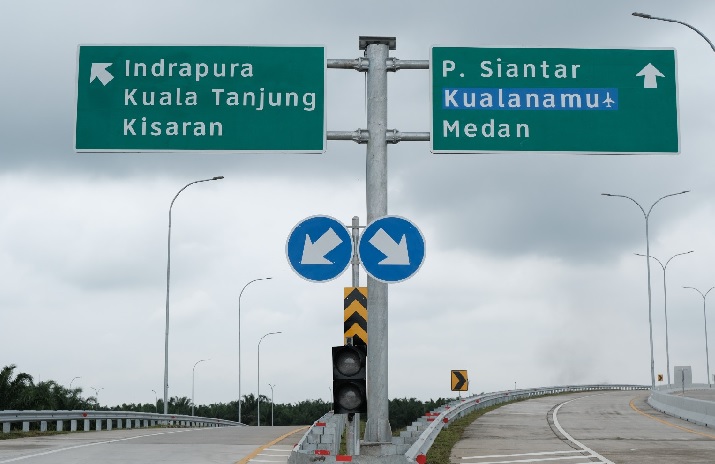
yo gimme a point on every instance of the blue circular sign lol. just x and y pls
(391, 249)
(319, 248)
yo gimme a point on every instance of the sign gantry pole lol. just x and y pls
(378, 425)
(377, 63)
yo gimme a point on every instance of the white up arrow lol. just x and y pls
(396, 252)
(650, 73)
(314, 253)
(99, 71)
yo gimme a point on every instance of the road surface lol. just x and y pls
(579, 428)
(224, 445)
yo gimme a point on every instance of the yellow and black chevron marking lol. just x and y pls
(355, 315)
(460, 381)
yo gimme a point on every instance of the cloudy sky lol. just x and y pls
(530, 276)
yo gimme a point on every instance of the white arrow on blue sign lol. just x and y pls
(319, 248)
(391, 249)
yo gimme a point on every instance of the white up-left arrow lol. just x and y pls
(99, 71)
(314, 253)
(396, 253)
(650, 74)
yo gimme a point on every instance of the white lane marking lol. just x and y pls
(276, 454)
(85, 445)
(540, 460)
(543, 453)
(286, 451)
(572, 439)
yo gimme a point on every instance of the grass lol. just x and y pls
(32, 433)
(343, 445)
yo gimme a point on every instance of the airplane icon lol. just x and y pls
(608, 100)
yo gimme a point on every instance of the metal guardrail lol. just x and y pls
(103, 419)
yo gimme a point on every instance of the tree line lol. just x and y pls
(20, 392)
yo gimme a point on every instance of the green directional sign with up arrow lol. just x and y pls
(565, 100)
(200, 98)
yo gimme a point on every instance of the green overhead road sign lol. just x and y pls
(200, 98)
(554, 100)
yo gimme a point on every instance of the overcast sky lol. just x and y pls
(530, 276)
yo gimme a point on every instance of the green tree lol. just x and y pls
(180, 405)
(14, 392)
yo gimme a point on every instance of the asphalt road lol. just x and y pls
(610, 428)
(225, 445)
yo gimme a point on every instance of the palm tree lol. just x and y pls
(180, 405)
(14, 392)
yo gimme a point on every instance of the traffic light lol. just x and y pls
(349, 388)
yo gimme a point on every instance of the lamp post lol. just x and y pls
(271, 403)
(258, 397)
(73, 379)
(647, 247)
(156, 401)
(239, 342)
(647, 16)
(168, 275)
(665, 306)
(193, 377)
(707, 356)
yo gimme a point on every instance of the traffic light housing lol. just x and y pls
(349, 386)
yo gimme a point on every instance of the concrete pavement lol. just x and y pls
(613, 427)
(225, 445)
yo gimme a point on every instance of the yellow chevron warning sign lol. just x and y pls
(355, 314)
(460, 382)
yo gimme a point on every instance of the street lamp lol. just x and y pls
(647, 247)
(168, 275)
(75, 378)
(258, 397)
(239, 342)
(707, 356)
(193, 377)
(271, 403)
(647, 16)
(156, 401)
(665, 306)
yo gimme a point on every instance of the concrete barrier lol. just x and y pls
(694, 410)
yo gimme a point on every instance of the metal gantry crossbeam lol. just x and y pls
(392, 64)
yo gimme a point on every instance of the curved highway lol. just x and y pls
(580, 428)
(224, 445)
